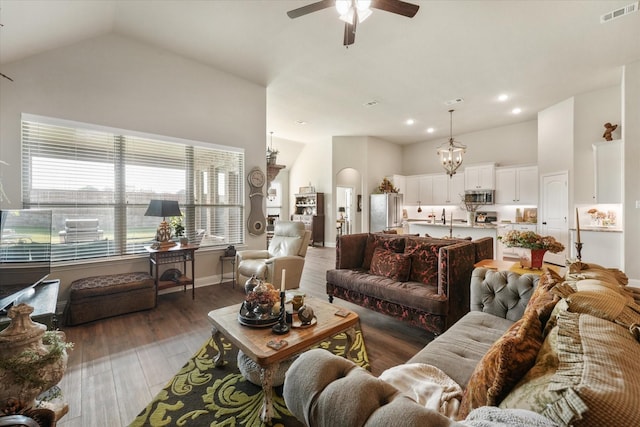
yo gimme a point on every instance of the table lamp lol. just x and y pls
(163, 208)
(342, 210)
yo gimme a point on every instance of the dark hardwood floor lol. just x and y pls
(119, 364)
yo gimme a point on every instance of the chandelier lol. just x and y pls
(451, 152)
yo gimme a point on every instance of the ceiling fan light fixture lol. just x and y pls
(451, 151)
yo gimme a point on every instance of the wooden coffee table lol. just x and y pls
(253, 341)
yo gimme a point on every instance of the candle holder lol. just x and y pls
(281, 327)
(578, 250)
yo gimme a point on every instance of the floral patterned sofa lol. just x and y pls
(421, 280)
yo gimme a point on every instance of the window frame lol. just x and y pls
(221, 217)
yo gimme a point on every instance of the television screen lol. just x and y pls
(25, 251)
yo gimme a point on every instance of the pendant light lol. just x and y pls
(451, 152)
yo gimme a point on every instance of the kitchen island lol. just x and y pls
(459, 230)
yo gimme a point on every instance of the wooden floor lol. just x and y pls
(119, 364)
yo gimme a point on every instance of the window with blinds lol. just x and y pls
(98, 183)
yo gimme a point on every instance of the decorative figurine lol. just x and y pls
(305, 314)
(609, 128)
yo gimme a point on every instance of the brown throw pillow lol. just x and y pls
(386, 241)
(390, 264)
(424, 259)
(506, 362)
(543, 300)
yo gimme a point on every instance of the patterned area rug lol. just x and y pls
(203, 395)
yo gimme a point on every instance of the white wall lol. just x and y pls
(631, 136)
(116, 82)
(591, 111)
(507, 145)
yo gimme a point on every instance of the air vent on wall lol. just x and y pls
(614, 14)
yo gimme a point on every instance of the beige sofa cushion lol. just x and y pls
(598, 377)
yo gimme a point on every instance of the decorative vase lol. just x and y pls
(532, 258)
(250, 284)
(471, 217)
(30, 365)
(263, 310)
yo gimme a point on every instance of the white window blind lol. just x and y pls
(106, 177)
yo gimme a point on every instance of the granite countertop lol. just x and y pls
(605, 229)
(456, 224)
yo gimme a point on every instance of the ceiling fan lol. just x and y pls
(353, 12)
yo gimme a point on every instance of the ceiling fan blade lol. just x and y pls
(349, 34)
(396, 6)
(310, 8)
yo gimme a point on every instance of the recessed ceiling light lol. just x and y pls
(503, 97)
(410, 121)
(430, 130)
(301, 122)
(516, 111)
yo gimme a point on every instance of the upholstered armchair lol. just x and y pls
(287, 250)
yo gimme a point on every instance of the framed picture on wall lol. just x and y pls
(359, 208)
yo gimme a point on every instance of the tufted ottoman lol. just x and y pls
(97, 297)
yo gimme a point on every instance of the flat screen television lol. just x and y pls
(25, 251)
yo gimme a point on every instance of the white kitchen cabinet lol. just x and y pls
(600, 247)
(481, 177)
(447, 190)
(517, 185)
(426, 189)
(412, 193)
(608, 170)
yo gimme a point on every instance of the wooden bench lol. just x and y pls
(98, 297)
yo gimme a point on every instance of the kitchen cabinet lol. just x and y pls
(446, 190)
(608, 171)
(517, 185)
(419, 190)
(603, 247)
(480, 177)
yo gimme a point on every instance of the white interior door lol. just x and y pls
(555, 211)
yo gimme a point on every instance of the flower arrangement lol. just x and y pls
(263, 295)
(387, 187)
(531, 240)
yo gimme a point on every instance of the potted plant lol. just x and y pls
(536, 244)
(178, 229)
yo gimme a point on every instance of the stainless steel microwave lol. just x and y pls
(484, 197)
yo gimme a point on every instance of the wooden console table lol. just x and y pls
(172, 255)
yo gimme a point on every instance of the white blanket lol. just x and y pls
(427, 385)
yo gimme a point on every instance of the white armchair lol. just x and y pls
(287, 250)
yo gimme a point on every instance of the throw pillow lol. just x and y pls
(390, 264)
(598, 377)
(424, 259)
(504, 364)
(386, 241)
(543, 300)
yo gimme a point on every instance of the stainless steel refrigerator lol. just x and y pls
(385, 211)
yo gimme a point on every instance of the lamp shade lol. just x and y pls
(163, 208)
(341, 209)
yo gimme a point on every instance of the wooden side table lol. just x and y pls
(231, 259)
(171, 255)
(498, 265)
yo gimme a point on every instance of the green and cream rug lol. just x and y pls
(203, 395)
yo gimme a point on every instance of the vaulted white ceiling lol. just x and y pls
(537, 52)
